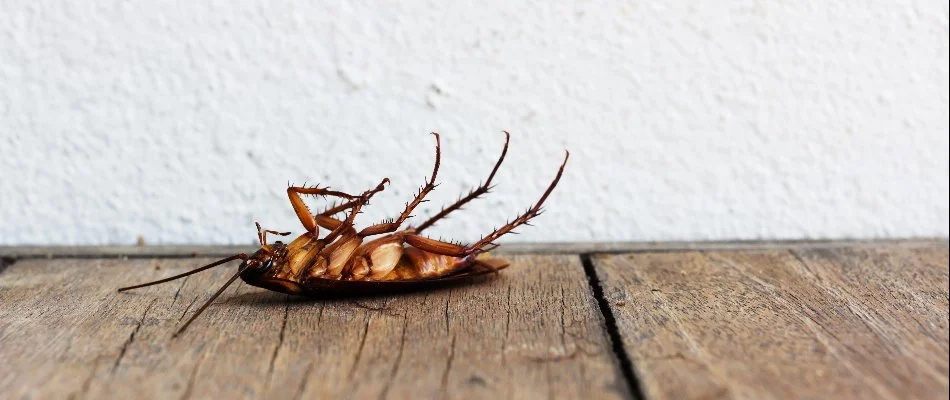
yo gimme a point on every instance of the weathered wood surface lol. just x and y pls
(843, 320)
(534, 331)
(507, 248)
(826, 323)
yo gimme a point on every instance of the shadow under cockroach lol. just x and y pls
(342, 295)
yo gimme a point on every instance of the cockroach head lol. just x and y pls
(264, 258)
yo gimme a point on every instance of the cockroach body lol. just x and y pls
(344, 262)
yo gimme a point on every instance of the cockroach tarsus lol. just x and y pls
(345, 262)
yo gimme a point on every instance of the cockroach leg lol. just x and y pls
(472, 195)
(534, 211)
(327, 221)
(485, 244)
(392, 226)
(361, 200)
(434, 246)
(262, 234)
(300, 208)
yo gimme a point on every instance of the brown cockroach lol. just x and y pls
(344, 262)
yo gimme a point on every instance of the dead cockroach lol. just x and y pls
(343, 262)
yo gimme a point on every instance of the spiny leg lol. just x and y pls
(329, 245)
(326, 218)
(262, 234)
(472, 195)
(392, 226)
(337, 208)
(300, 208)
(365, 250)
(434, 246)
(455, 250)
(354, 210)
(444, 248)
(521, 219)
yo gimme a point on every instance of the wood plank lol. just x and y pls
(823, 323)
(532, 331)
(162, 251)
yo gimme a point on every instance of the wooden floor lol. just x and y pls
(645, 321)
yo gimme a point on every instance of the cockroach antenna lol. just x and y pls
(241, 256)
(210, 300)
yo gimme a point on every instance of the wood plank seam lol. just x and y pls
(623, 360)
(533, 331)
(848, 322)
(5, 262)
(613, 332)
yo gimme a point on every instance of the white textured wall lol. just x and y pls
(686, 120)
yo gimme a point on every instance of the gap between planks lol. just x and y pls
(814, 323)
(603, 291)
(613, 332)
(619, 355)
(374, 339)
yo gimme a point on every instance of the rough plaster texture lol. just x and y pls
(182, 122)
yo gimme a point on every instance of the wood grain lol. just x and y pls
(178, 251)
(867, 320)
(533, 331)
(806, 323)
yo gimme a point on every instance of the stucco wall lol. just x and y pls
(686, 120)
